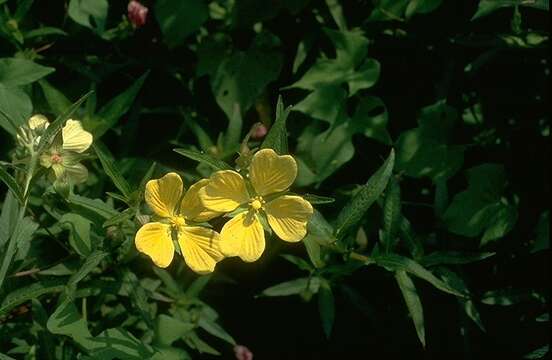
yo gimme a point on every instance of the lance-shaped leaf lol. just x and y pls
(276, 138)
(203, 158)
(111, 170)
(413, 303)
(326, 306)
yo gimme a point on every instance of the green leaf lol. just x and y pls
(324, 103)
(111, 170)
(413, 303)
(10, 182)
(15, 108)
(421, 7)
(299, 262)
(294, 287)
(326, 306)
(276, 138)
(507, 297)
(52, 130)
(355, 209)
(425, 150)
(66, 320)
(542, 241)
(453, 258)
(169, 329)
(56, 100)
(233, 132)
(117, 344)
(391, 214)
(29, 292)
(319, 227)
(8, 217)
(43, 32)
(91, 262)
(539, 353)
(17, 72)
(314, 250)
(395, 263)
(203, 158)
(241, 77)
(79, 233)
(317, 199)
(480, 209)
(89, 13)
(179, 19)
(214, 329)
(109, 114)
(487, 7)
(197, 285)
(92, 209)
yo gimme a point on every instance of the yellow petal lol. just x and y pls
(243, 236)
(224, 192)
(38, 121)
(200, 248)
(75, 138)
(154, 240)
(192, 208)
(163, 195)
(288, 216)
(270, 173)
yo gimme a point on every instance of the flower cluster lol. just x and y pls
(257, 198)
(62, 157)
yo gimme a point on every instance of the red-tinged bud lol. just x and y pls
(137, 13)
(258, 131)
(243, 353)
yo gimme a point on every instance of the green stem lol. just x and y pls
(10, 251)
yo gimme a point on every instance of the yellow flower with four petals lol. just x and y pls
(261, 193)
(178, 217)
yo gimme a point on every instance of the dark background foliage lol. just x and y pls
(422, 60)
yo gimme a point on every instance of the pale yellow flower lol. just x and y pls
(270, 176)
(199, 245)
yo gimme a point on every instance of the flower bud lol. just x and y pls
(258, 131)
(243, 353)
(137, 13)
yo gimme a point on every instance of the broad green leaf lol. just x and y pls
(233, 133)
(56, 100)
(391, 214)
(319, 227)
(168, 280)
(55, 126)
(66, 320)
(195, 342)
(277, 137)
(216, 330)
(117, 344)
(413, 303)
(241, 77)
(179, 19)
(169, 329)
(337, 13)
(79, 233)
(393, 262)
(29, 292)
(324, 103)
(111, 170)
(480, 209)
(109, 114)
(8, 217)
(12, 185)
(15, 108)
(539, 353)
(208, 160)
(453, 258)
(17, 72)
(90, 263)
(294, 287)
(425, 151)
(487, 7)
(92, 209)
(421, 7)
(326, 306)
(89, 13)
(355, 209)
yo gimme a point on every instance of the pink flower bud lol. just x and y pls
(258, 131)
(242, 353)
(137, 13)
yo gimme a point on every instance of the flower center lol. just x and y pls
(256, 203)
(56, 158)
(178, 221)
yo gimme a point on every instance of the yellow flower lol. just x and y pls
(199, 245)
(63, 156)
(270, 176)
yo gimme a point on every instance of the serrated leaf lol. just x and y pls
(453, 258)
(203, 158)
(29, 292)
(391, 214)
(395, 263)
(355, 209)
(413, 303)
